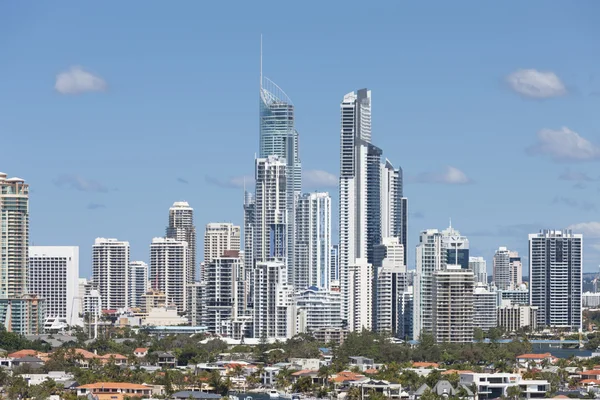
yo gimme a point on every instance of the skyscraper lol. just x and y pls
(14, 236)
(110, 265)
(181, 227)
(393, 204)
(138, 283)
(390, 284)
(334, 268)
(452, 314)
(249, 209)
(169, 270)
(54, 276)
(279, 137)
(457, 247)
(313, 241)
(479, 268)
(220, 237)
(555, 275)
(273, 301)
(508, 269)
(431, 257)
(360, 286)
(355, 153)
(271, 211)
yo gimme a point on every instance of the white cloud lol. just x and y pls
(589, 229)
(536, 84)
(77, 182)
(319, 179)
(450, 175)
(233, 182)
(76, 80)
(564, 145)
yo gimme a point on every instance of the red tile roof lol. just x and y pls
(425, 365)
(114, 385)
(536, 356)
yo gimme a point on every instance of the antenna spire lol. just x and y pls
(261, 75)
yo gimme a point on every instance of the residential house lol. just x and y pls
(305, 363)
(387, 389)
(362, 363)
(491, 386)
(532, 360)
(166, 359)
(140, 352)
(31, 361)
(444, 389)
(115, 388)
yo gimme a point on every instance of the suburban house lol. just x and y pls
(115, 388)
(528, 360)
(140, 352)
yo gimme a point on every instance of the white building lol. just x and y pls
(181, 228)
(313, 241)
(220, 237)
(452, 315)
(110, 264)
(225, 294)
(484, 308)
(318, 308)
(274, 308)
(334, 267)
(14, 235)
(169, 270)
(520, 295)
(493, 386)
(479, 268)
(457, 247)
(390, 284)
(360, 286)
(138, 283)
(508, 269)
(270, 211)
(393, 205)
(54, 276)
(591, 299)
(514, 317)
(556, 254)
(431, 257)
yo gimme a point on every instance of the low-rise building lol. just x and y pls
(493, 386)
(115, 388)
(515, 317)
(535, 360)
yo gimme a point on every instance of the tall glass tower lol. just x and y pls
(279, 137)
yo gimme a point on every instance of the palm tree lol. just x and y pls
(324, 374)
(354, 393)
(514, 392)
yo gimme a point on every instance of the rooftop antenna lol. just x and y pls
(261, 75)
(450, 223)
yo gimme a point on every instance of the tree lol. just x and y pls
(514, 392)
(303, 385)
(324, 374)
(354, 393)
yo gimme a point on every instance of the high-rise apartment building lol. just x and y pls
(225, 293)
(360, 287)
(169, 270)
(457, 247)
(334, 267)
(431, 256)
(318, 309)
(514, 317)
(452, 315)
(270, 211)
(249, 211)
(479, 267)
(313, 241)
(220, 237)
(279, 137)
(14, 236)
(274, 308)
(389, 285)
(508, 269)
(555, 275)
(138, 283)
(393, 205)
(54, 276)
(110, 265)
(181, 228)
(484, 307)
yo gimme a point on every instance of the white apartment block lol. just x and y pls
(360, 286)
(313, 241)
(225, 293)
(479, 267)
(138, 283)
(54, 276)
(508, 269)
(270, 211)
(485, 304)
(220, 237)
(452, 315)
(555, 275)
(431, 257)
(393, 205)
(390, 284)
(514, 317)
(169, 270)
(318, 308)
(274, 308)
(14, 235)
(110, 265)
(591, 299)
(181, 228)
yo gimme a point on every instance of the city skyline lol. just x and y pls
(87, 177)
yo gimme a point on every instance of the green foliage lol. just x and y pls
(11, 341)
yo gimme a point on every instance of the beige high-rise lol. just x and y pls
(220, 237)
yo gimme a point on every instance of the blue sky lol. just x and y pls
(114, 110)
